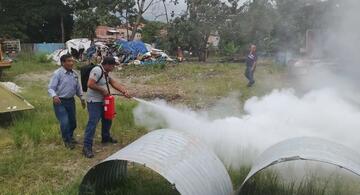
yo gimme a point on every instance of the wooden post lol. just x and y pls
(1, 54)
(62, 29)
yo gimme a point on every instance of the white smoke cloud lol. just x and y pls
(328, 107)
(268, 120)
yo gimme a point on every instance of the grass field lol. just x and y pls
(33, 159)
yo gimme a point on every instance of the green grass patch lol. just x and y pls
(33, 159)
(139, 180)
(27, 62)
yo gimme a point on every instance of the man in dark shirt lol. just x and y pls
(251, 65)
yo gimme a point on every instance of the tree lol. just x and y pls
(205, 16)
(180, 34)
(151, 31)
(274, 25)
(126, 10)
(296, 17)
(250, 23)
(142, 7)
(91, 13)
(35, 21)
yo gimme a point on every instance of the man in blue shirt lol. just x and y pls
(251, 65)
(63, 86)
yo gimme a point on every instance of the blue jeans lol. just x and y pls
(96, 112)
(249, 75)
(66, 115)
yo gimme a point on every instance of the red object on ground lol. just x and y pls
(109, 107)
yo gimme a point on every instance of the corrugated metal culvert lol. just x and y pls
(182, 160)
(193, 169)
(307, 148)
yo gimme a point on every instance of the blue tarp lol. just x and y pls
(132, 48)
(47, 47)
(91, 51)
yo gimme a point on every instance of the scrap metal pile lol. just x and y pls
(5, 60)
(126, 52)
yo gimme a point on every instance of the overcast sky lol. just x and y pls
(157, 12)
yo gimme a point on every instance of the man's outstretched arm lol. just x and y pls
(116, 85)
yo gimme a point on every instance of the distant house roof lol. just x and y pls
(113, 31)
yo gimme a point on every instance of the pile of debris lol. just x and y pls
(126, 52)
(75, 47)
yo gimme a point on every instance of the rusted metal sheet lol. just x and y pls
(5, 65)
(307, 148)
(182, 160)
(11, 102)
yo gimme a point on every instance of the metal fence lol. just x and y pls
(41, 47)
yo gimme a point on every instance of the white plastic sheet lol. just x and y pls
(78, 44)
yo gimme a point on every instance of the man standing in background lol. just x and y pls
(251, 65)
(98, 89)
(63, 86)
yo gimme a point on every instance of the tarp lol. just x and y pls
(55, 56)
(133, 48)
(98, 47)
(78, 44)
(11, 102)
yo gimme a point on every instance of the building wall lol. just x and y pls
(101, 30)
(214, 40)
(102, 33)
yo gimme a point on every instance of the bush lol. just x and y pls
(42, 58)
(230, 49)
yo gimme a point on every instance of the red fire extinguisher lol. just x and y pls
(109, 107)
(109, 104)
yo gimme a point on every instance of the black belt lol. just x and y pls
(67, 99)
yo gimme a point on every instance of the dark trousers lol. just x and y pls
(66, 115)
(249, 74)
(96, 112)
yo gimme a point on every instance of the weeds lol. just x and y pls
(27, 62)
(34, 161)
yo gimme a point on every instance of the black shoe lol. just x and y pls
(88, 153)
(109, 140)
(73, 140)
(69, 145)
(250, 84)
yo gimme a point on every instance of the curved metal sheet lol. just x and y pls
(307, 148)
(182, 160)
(12, 102)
